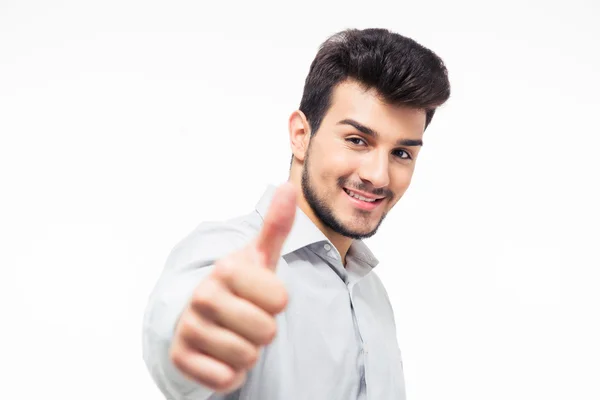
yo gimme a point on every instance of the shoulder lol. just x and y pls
(211, 240)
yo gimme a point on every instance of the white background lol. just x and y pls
(124, 124)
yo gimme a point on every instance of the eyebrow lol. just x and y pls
(368, 131)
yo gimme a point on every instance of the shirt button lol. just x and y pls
(327, 247)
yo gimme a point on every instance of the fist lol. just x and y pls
(231, 314)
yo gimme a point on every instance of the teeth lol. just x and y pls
(359, 197)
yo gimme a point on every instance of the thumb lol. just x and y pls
(277, 224)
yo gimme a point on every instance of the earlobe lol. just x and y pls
(299, 130)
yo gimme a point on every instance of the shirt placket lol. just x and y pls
(334, 260)
(364, 352)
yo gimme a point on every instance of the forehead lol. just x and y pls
(350, 100)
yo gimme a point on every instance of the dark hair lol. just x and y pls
(401, 71)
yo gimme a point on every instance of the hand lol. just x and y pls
(232, 311)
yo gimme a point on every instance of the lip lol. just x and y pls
(363, 205)
(365, 195)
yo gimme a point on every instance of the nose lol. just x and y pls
(375, 169)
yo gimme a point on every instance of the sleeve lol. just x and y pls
(188, 263)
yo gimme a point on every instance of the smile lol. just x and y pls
(363, 202)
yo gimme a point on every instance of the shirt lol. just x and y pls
(336, 339)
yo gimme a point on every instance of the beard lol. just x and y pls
(325, 212)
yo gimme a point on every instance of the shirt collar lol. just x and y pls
(304, 232)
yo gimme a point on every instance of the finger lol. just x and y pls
(224, 345)
(277, 224)
(236, 314)
(205, 370)
(260, 286)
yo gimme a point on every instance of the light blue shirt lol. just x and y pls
(335, 340)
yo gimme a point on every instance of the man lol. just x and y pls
(283, 303)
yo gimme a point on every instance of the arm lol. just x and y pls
(189, 262)
(215, 304)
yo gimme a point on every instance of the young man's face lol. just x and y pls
(343, 157)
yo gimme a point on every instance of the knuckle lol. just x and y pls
(250, 358)
(283, 300)
(178, 358)
(280, 300)
(224, 268)
(223, 381)
(269, 332)
(204, 296)
(186, 324)
(193, 334)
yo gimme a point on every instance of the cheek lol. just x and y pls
(402, 179)
(338, 164)
(337, 157)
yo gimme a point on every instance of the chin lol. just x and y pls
(358, 231)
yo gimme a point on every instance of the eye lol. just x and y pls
(356, 140)
(403, 154)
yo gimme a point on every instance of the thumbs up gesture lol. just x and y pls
(231, 314)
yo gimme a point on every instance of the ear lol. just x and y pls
(299, 134)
